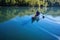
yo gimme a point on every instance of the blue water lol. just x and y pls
(21, 28)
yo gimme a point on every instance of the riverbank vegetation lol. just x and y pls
(12, 8)
(30, 3)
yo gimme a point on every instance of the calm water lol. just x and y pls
(21, 27)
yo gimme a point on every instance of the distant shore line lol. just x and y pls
(23, 6)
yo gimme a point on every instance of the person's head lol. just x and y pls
(41, 6)
(37, 11)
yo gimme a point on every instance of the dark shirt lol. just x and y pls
(37, 13)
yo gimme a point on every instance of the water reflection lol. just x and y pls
(20, 27)
(53, 19)
(7, 13)
(23, 28)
